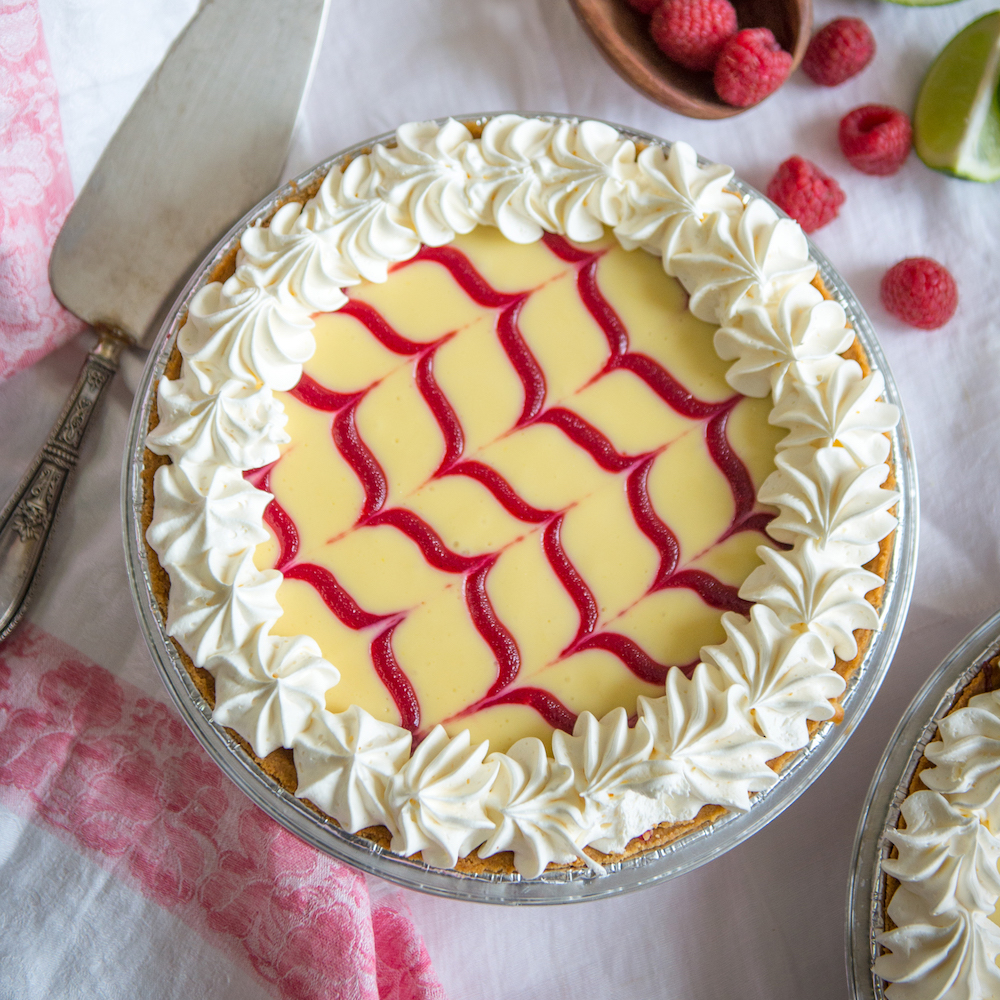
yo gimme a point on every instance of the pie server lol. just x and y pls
(205, 140)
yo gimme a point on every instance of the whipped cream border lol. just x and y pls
(708, 739)
(945, 944)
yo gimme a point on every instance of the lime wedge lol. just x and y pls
(956, 126)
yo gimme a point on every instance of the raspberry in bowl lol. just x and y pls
(751, 66)
(621, 32)
(693, 32)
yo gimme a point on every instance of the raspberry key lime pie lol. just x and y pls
(519, 487)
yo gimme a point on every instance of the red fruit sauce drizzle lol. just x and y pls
(571, 580)
(475, 569)
(335, 597)
(527, 368)
(360, 459)
(489, 626)
(276, 517)
(428, 540)
(546, 704)
(392, 676)
(501, 489)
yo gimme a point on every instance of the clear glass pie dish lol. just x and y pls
(560, 885)
(866, 893)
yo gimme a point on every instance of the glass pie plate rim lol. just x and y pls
(555, 886)
(889, 787)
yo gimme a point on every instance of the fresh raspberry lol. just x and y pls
(808, 195)
(645, 6)
(838, 51)
(875, 139)
(692, 32)
(751, 65)
(921, 292)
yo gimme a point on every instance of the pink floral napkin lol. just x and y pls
(117, 777)
(35, 192)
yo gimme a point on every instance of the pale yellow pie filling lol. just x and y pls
(435, 642)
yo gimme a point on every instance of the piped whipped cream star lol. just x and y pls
(269, 690)
(344, 763)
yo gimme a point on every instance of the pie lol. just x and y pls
(518, 495)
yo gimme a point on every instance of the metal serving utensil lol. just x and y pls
(205, 140)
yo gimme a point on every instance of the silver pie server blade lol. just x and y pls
(205, 140)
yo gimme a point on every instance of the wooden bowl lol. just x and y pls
(622, 35)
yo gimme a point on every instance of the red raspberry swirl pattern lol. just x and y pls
(474, 570)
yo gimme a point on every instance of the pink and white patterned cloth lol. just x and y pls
(115, 775)
(35, 192)
(128, 866)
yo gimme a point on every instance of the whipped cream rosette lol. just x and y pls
(711, 737)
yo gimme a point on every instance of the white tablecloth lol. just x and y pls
(765, 921)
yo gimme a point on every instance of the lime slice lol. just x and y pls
(956, 127)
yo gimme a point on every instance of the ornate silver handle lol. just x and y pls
(26, 520)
